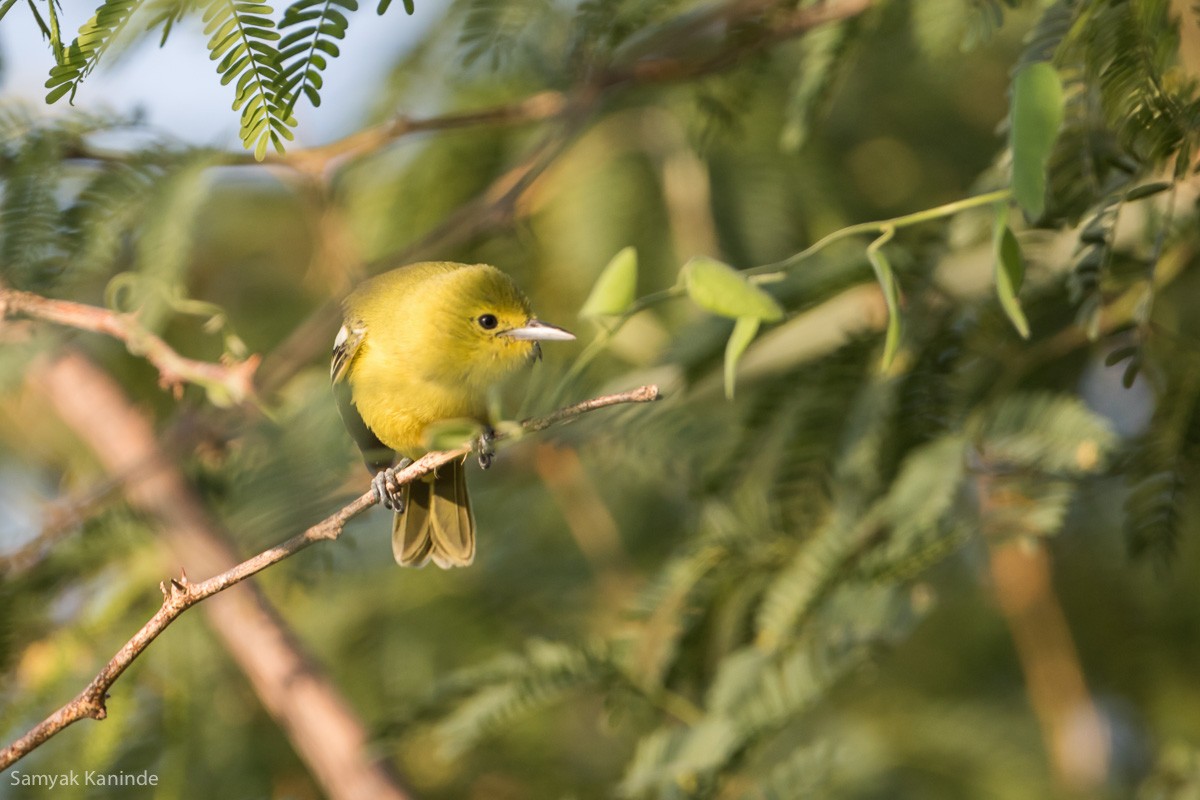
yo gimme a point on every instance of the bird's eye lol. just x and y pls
(488, 321)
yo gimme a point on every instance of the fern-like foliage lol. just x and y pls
(823, 62)
(82, 55)
(1130, 108)
(1128, 50)
(310, 28)
(29, 245)
(241, 40)
(34, 163)
(1159, 469)
(756, 694)
(500, 31)
(167, 14)
(513, 687)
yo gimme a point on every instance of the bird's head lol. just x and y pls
(487, 325)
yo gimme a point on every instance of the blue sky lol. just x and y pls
(177, 87)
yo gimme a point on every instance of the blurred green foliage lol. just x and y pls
(787, 594)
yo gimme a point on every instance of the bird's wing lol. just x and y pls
(345, 346)
(377, 455)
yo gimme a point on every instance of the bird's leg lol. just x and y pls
(486, 446)
(386, 489)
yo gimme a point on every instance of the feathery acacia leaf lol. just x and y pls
(523, 684)
(309, 28)
(499, 28)
(81, 56)
(241, 39)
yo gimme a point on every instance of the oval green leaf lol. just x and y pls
(450, 434)
(744, 331)
(891, 296)
(1010, 274)
(1036, 116)
(721, 289)
(616, 287)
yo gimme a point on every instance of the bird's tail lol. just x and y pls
(436, 523)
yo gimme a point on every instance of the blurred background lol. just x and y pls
(967, 572)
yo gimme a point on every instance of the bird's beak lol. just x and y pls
(537, 331)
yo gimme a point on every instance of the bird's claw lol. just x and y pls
(486, 446)
(387, 490)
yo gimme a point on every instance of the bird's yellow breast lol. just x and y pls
(398, 405)
(421, 354)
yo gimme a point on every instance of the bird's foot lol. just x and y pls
(485, 446)
(386, 489)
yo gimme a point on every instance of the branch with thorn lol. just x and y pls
(180, 594)
(234, 378)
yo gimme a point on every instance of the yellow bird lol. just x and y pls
(418, 345)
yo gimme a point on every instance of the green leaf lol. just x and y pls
(77, 60)
(450, 434)
(721, 289)
(1009, 272)
(53, 96)
(614, 290)
(891, 295)
(1147, 190)
(1036, 116)
(743, 334)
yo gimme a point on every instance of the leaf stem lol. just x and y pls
(883, 225)
(886, 228)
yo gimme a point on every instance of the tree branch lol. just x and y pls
(318, 722)
(235, 377)
(316, 160)
(180, 594)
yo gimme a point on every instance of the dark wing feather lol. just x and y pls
(375, 453)
(452, 525)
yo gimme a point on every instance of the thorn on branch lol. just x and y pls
(230, 380)
(176, 589)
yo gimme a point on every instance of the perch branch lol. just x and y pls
(180, 594)
(174, 370)
(321, 726)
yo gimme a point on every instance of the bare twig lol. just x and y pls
(180, 594)
(235, 377)
(317, 160)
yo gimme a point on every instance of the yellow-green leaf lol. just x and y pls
(1036, 116)
(1009, 272)
(449, 434)
(721, 289)
(616, 287)
(891, 295)
(744, 331)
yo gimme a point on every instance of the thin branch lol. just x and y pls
(776, 25)
(316, 160)
(235, 377)
(318, 722)
(180, 594)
